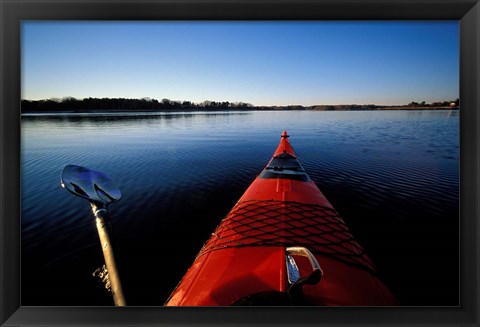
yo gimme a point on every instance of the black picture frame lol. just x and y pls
(467, 12)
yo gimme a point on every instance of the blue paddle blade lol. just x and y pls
(89, 184)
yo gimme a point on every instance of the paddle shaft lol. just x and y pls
(101, 215)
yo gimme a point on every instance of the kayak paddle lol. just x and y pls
(100, 191)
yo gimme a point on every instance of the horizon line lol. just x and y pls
(66, 98)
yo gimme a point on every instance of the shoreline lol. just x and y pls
(166, 105)
(103, 111)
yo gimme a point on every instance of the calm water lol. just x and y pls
(392, 175)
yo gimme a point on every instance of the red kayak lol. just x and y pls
(283, 243)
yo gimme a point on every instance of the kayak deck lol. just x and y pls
(247, 261)
(288, 223)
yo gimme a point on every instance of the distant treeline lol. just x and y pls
(70, 104)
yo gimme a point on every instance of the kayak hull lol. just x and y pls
(246, 261)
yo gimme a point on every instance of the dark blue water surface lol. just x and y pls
(392, 175)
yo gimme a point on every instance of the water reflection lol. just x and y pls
(129, 116)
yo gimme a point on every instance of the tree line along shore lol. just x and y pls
(70, 104)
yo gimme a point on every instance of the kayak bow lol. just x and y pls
(283, 243)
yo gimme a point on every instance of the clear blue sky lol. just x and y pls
(263, 63)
